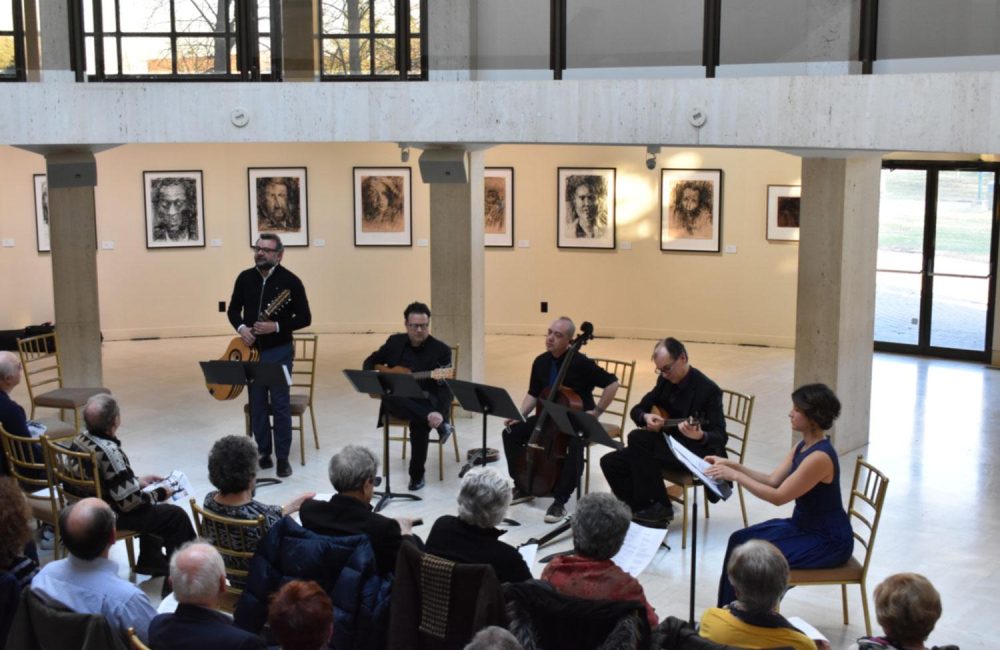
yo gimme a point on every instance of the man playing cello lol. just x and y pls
(582, 376)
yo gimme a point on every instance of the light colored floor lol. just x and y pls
(932, 432)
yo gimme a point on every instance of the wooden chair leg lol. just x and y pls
(246, 419)
(440, 461)
(704, 494)
(454, 442)
(131, 554)
(406, 435)
(312, 416)
(864, 608)
(684, 519)
(843, 600)
(302, 438)
(743, 506)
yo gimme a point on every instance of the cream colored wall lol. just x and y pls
(643, 292)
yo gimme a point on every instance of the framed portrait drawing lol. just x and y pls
(175, 209)
(691, 210)
(382, 201)
(42, 213)
(278, 204)
(498, 208)
(586, 208)
(783, 212)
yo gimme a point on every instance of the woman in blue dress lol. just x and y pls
(819, 533)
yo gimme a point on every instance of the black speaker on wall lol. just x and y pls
(444, 166)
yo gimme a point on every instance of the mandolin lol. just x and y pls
(240, 351)
(437, 374)
(672, 422)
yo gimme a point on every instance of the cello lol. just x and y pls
(548, 447)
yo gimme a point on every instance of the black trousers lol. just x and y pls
(514, 443)
(160, 525)
(416, 411)
(635, 473)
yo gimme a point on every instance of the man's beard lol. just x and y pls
(265, 265)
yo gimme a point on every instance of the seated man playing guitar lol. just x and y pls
(682, 392)
(419, 352)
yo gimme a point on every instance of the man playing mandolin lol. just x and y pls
(684, 393)
(417, 351)
(582, 376)
(255, 289)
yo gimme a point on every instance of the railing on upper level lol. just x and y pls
(386, 40)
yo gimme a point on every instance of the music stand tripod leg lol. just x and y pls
(388, 494)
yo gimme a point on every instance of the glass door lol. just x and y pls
(936, 260)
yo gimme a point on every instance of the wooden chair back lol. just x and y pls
(134, 641)
(34, 475)
(40, 364)
(235, 539)
(865, 506)
(304, 364)
(615, 417)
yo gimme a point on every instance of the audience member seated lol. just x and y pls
(494, 638)
(907, 606)
(87, 582)
(301, 616)
(17, 568)
(599, 528)
(232, 469)
(159, 524)
(12, 415)
(759, 574)
(349, 512)
(198, 576)
(472, 537)
(819, 534)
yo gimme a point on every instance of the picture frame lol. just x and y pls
(382, 206)
(691, 210)
(498, 207)
(783, 206)
(175, 209)
(278, 203)
(590, 189)
(42, 213)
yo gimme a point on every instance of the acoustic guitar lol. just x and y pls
(240, 351)
(438, 374)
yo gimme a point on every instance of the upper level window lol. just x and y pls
(12, 66)
(373, 39)
(192, 39)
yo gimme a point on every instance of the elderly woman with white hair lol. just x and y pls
(473, 537)
(759, 573)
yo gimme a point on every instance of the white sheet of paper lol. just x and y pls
(178, 481)
(640, 546)
(528, 552)
(288, 375)
(695, 463)
(807, 629)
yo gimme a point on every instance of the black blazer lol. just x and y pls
(433, 354)
(343, 515)
(192, 627)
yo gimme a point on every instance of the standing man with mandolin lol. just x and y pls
(255, 290)
(682, 393)
(418, 352)
(582, 376)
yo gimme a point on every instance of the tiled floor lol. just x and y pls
(932, 432)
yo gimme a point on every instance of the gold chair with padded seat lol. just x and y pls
(405, 424)
(303, 377)
(235, 543)
(35, 478)
(865, 511)
(43, 376)
(738, 410)
(75, 473)
(614, 418)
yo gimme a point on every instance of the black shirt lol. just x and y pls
(582, 377)
(695, 396)
(252, 294)
(453, 539)
(430, 355)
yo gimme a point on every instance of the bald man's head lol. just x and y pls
(197, 574)
(101, 415)
(88, 528)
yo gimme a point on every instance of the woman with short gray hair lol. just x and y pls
(759, 573)
(599, 527)
(472, 537)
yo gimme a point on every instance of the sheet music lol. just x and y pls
(807, 629)
(177, 481)
(528, 552)
(640, 546)
(696, 464)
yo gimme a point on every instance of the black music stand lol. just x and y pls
(587, 429)
(720, 488)
(385, 384)
(246, 373)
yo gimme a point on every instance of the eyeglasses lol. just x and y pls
(377, 481)
(665, 370)
(417, 326)
(261, 249)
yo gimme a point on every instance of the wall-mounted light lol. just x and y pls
(651, 152)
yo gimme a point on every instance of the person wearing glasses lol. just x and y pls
(353, 474)
(682, 392)
(417, 351)
(254, 290)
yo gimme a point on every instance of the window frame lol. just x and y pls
(401, 37)
(17, 34)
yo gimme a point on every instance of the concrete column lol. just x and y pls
(53, 27)
(835, 320)
(73, 234)
(300, 48)
(832, 37)
(457, 267)
(451, 39)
